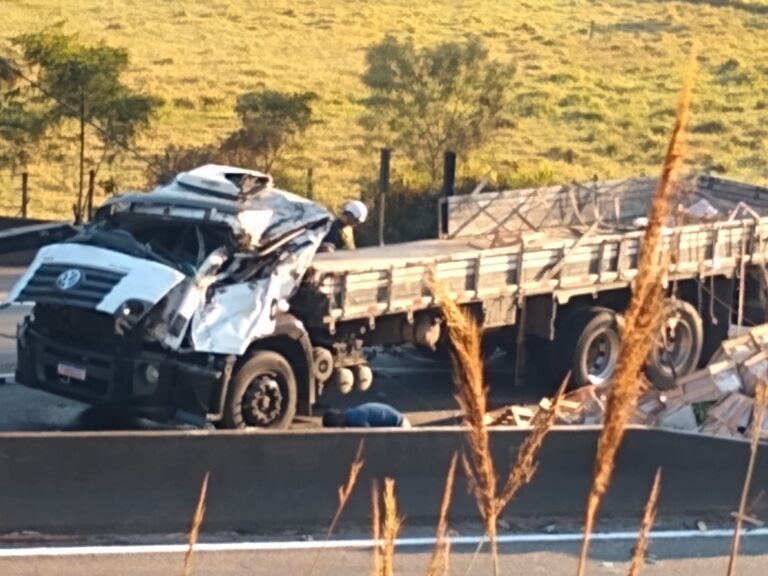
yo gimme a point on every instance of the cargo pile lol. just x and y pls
(718, 400)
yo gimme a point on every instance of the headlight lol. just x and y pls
(134, 309)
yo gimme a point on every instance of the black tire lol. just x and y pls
(262, 393)
(684, 346)
(587, 345)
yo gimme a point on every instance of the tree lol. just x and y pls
(21, 123)
(83, 84)
(426, 101)
(175, 159)
(271, 122)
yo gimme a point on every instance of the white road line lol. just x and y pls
(361, 543)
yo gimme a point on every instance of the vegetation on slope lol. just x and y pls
(590, 95)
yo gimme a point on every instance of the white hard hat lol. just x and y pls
(356, 209)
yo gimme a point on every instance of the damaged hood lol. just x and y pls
(93, 278)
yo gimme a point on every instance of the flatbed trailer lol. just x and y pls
(554, 266)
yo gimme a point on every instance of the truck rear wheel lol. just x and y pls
(587, 345)
(262, 393)
(680, 344)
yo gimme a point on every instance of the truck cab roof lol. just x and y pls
(246, 200)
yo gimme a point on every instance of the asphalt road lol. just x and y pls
(419, 387)
(699, 557)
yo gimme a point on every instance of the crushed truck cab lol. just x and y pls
(164, 300)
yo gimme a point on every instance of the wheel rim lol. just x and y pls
(263, 401)
(674, 350)
(602, 353)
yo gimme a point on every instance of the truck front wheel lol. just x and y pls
(262, 393)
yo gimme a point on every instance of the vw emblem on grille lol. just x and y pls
(69, 279)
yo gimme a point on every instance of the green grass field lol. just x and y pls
(594, 93)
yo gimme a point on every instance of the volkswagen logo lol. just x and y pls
(69, 279)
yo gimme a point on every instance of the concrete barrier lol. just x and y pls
(148, 482)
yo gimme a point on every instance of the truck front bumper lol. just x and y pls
(153, 383)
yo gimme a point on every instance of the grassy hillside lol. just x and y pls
(595, 87)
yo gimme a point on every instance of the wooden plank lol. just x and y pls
(548, 275)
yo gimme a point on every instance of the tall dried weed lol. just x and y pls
(376, 529)
(761, 401)
(197, 522)
(440, 556)
(649, 517)
(344, 493)
(465, 341)
(390, 528)
(526, 463)
(642, 318)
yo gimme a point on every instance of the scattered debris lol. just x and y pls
(549, 529)
(503, 524)
(749, 519)
(717, 400)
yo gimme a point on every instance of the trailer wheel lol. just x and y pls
(587, 345)
(262, 393)
(679, 347)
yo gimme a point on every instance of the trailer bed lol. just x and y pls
(508, 266)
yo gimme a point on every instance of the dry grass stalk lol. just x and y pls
(649, 517)
(641, 319)
(761, 401)
(376, 529)
(471, 394)
(197, 522)
(390, 528)
(344, 492)
(465, 340)
(442, 545)
(526, 463)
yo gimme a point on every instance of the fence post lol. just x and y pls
(24, 194)
(449, 186)
(91, 190)
(383, 190)
(310, 184)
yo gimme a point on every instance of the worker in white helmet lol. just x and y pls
(341, 236)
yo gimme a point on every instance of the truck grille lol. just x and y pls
(70, 285)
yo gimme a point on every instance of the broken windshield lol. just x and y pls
(181, 244)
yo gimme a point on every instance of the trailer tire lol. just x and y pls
(587, 336)
(262, 393)
(685, 349)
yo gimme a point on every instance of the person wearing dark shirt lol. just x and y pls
(369, 415)
(341, 235)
